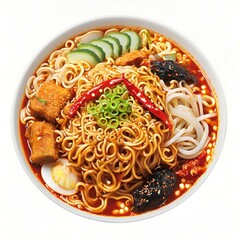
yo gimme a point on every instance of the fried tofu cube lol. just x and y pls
(49, 101)
(131, 58)
(42, 141)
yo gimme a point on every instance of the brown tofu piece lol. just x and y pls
(42, 141)
(131, 58)
(49, 101)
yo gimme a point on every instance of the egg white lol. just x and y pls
(46, 172)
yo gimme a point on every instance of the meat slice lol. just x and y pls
(42, 142)
(132, 58)
(49, 101)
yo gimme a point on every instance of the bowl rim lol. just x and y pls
(120, 21)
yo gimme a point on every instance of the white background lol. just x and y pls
(213, 212)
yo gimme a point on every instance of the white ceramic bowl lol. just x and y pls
(186, 44)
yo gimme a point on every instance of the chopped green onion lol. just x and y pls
(115, 112)
(122, 107)
(123, 116)
(109, 96)
(104, 105)
(42, 100)
(93, 110)
(96, 116)
(107, 115)
(113, 104)
(107, 91)
(129, 109)
(102, 122)
(113, 123)
(111, 109)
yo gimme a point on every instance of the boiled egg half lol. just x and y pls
(60, 177)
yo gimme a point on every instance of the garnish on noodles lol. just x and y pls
(119, 121)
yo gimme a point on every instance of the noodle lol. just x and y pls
(191, 130)
(128, 153)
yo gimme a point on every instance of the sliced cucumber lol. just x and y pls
(135, 39)
(123, 38)
(97, 50)
(117, 48)
(105, 46)
(83, 55)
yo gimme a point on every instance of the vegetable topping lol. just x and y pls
(93, 94)
(113, 44)
(146, 102)
(140, 96)
(111, 108)
(155, 190)
(169, 70)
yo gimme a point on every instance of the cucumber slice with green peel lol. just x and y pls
(105, 46)
(117, 47)
(86, 55)
(97, 50)
(124, 40)
(135, 39)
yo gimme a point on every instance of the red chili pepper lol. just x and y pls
(97, 91)
(145, 101)
(93, 94)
